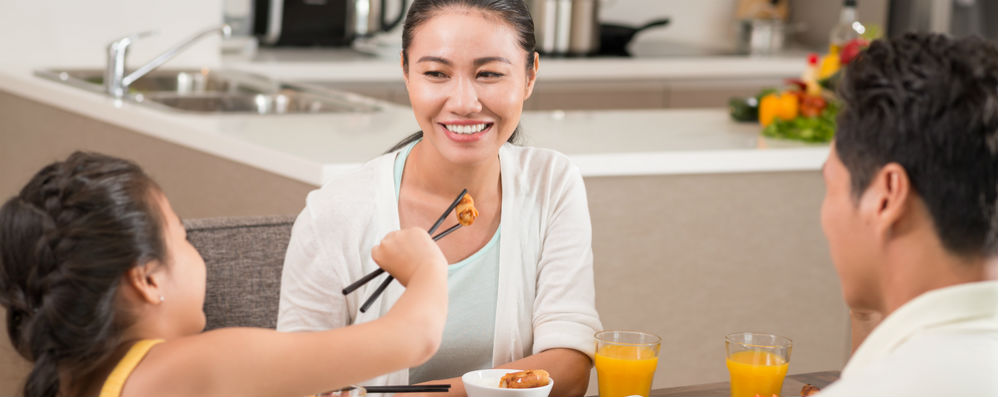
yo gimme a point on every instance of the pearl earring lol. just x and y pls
(162, 298)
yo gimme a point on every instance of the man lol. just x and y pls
(910, 214)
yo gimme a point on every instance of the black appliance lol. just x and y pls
(320, 22)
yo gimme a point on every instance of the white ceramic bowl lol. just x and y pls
(483, 383)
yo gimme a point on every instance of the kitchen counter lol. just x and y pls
(340, 65)
(312, 148)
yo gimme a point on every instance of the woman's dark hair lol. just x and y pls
(928, 103)
(514, 12)
(66, 240)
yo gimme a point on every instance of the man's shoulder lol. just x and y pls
(957, 360)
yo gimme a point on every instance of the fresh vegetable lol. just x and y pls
(851, 50)
(806, 109)
(743, 109)
(765, 92)
(812, 105)
(810, 76)
(829, 65)
(774, 106)
(810, 129)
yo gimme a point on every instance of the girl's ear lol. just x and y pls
(146, 282)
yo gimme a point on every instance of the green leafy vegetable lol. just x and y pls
(810, 129)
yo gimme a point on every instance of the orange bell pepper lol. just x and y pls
(784, 106)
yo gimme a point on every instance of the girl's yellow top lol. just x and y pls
(116, 381)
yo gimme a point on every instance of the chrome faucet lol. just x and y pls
(116, 82)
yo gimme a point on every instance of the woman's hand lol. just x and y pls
(403, 252)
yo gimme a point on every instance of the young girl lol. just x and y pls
(104, 295)
(520, 279)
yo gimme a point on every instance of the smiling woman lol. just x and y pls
(520, 284)
(516, 27)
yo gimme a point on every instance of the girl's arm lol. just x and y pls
(248, 361)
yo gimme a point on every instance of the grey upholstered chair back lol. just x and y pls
(243, 257)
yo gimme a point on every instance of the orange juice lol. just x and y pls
(754, 372)
(624, 370)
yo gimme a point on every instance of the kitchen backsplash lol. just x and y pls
(703, 22)
(74, 33)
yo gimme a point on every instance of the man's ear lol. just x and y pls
(532, 76)
(886, 202)
(146, 281)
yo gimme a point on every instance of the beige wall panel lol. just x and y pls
(694, 257)
(197, 184)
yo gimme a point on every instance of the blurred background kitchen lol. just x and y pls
(702, 225)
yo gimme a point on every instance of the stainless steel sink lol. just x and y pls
(220, 91)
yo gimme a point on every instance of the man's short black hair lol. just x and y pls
(928, 103)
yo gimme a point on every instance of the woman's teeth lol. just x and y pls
(465, 129)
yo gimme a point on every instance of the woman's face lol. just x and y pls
(467, 81)
(184, 290)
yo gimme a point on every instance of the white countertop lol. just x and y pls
(312, 148)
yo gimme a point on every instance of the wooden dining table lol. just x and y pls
(792, 386)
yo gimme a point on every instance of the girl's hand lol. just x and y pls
(404, 252)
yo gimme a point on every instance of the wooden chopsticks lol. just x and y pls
(370, 276)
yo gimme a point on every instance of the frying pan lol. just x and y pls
(615, 38)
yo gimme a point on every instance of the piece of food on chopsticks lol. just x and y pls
(466, 210)
(525, 379)
(808, 390)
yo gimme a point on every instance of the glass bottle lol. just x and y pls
(847, 29)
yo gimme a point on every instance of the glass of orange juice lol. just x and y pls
(625, 362)
(757, 363)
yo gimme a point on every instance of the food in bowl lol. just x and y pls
(484, 383)
(525, 379)
(808, 390)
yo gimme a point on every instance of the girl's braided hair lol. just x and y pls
(66, 240)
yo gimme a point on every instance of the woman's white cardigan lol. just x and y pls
(546, 280)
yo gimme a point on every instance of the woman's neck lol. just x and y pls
(430, 172)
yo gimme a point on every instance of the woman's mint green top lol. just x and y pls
(467, 343)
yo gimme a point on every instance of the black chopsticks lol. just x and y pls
(438, 388)
(409, 389)
(370, 276)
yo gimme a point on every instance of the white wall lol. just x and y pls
(47, 33)
(696, 22)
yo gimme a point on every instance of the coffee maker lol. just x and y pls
(320, 22)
